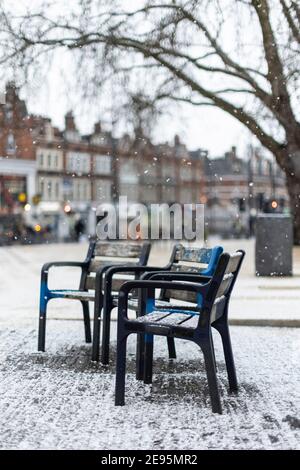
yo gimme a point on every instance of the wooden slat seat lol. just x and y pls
(152, 322)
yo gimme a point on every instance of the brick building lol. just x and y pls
(90, 169)
(236, 190)
(67, 169)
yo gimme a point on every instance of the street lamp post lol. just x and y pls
(250, 193)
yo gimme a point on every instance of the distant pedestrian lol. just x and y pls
(79, 228)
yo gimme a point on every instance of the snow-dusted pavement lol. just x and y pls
(60, 400)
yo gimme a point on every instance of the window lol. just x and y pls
(10, 143)
(49, 159)
(78, 162)
(9, 115)
(85, 191)
(149, 172)
(67, 189)
(186, 173)
(42, 188)
(103, 164)
(129, 172)
(129, 190)
(168, 170)
(81, 190)
(49, 189)
(103, 191)
(76, 193)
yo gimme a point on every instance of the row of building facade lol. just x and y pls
(63, 167)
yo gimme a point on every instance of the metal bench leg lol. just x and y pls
(171, 348)
(140, 356)
(210, 367)
(107, 308)
(148, 365)
(42, 322)
(120, 371)
(223, 329)
(214, 353)
(97, 326)
(86, 320)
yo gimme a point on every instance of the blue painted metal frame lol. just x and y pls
(219, 286)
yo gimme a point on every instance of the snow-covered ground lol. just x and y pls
(60, 400)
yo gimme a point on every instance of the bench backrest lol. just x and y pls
(192, 260)
(102, 253)
(221, 285)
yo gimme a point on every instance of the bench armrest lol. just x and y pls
(152, 285)
(176, 276)
(46, 266)
(76, 264)
(111, 271)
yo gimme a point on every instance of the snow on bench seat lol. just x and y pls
(73, 294)
(186, 320)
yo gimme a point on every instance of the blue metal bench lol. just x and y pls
(100, 254)
(183, 260)
(209, 298)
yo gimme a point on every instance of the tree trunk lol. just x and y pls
(288, 158)
(293, 187)
(289, 161)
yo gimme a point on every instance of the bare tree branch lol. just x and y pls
(295, 29)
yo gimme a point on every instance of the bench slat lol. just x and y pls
(218, 308)
(176, 267)
(121, 250)
(174, 319)
(152, 317)
(186, 296)
(192, 254)
(191, 322)
(233, 263)
(225, 285)
(116, 282)
(97, 263)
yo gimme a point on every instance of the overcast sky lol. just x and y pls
(204, 127)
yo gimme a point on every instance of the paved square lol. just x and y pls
(60, 400)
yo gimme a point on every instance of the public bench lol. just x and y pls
(100, 254)
(208, 307)
(183, 260)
